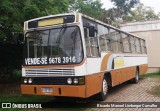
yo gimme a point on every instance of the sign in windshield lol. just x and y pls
(54, 46)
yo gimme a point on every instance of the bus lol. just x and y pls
(74, 55)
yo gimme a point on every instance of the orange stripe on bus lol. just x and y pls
(105, 62)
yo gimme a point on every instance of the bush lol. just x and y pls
(11, 61)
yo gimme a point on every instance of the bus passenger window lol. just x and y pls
(91, 44)
(115, 40)
(103, 38)
(143, 47)
(133, 46)
(137, 43)
(126, 44)
(94, 46)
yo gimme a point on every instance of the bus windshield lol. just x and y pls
(54, 46)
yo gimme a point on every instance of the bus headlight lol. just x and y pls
(75, 81)
(25, 80)
(69, 81)
(30, 80)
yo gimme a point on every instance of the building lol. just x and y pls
(150, 31)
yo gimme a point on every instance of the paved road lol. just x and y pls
(135, 92)
(140, 92)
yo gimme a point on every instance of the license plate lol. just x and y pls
(47, 90)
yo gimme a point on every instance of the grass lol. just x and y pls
(20, 98)
(151, 75)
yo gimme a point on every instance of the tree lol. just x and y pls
(14, 13)
(141, 13)
(117, 14)
(124, 6)
(91, 8)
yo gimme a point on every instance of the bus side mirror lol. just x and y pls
(92, 31)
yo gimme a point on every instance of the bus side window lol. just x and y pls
(126, 43)
(133, 46)
(104, 38)
(137, 43)
(94, 46)
(116, 43)
(91, 44)
(143, 47)
(86, 36)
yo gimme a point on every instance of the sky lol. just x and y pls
(155, 4)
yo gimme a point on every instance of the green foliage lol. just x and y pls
(14, 13)
(91, 8)
(128, 10)
(124, 6)
(20, 98)
(11, 59)
(16, 73)
(142, 13)
(117, 14)
(151, 75)
(31, 11)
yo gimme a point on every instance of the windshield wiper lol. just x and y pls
(60, 35)
(73, 35)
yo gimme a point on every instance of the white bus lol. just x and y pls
(74, 55)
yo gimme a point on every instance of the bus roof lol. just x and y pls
(80, 14)
(105, 24)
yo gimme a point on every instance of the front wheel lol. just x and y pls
(104, 90)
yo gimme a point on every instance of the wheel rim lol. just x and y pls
(104, 87)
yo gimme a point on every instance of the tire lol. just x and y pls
(136, 79)
(104, 90)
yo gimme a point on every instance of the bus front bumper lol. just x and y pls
(54, 90)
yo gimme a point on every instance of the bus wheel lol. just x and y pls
(136, 79)
(104, 90)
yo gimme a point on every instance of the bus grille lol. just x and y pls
(49, 72)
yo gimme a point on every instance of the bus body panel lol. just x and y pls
(58, 90)
(121, 67)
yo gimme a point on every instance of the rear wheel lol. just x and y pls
(104, 90)
(136, 79)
